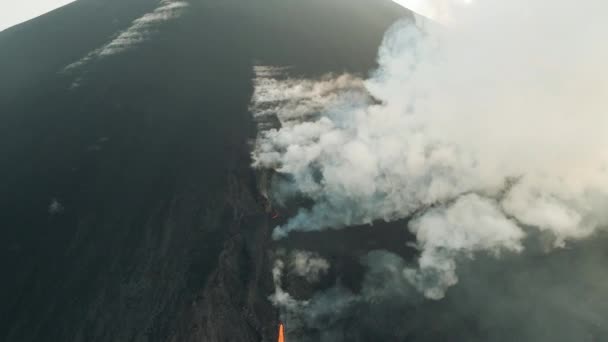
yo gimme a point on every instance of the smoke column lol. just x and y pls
(481, 132)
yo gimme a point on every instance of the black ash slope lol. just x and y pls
(129, 211)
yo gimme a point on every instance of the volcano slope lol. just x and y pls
(130, 211)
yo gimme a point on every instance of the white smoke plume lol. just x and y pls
(481, 131)
(308, 265)
(280, 297)
(301, 263)
(55, 207)
(323, 308)
(297, 99)
(139, 31)
(384, 282)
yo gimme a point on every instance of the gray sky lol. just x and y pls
(439, 10)
(13, 12)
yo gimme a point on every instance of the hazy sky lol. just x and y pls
(423, 7)
(439, 10)
(13, 12)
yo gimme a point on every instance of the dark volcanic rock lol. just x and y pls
(129, 209)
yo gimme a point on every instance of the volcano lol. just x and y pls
(306, 170)
(130, 211)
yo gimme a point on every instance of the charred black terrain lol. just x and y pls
(129, 210)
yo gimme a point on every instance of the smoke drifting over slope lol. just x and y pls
(140, 31)
(481, 132)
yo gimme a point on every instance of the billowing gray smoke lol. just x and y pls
(482, 131)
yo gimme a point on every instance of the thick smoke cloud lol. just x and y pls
(482, 132)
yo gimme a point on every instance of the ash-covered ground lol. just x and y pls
(130, 211)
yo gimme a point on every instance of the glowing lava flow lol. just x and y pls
(281, 332)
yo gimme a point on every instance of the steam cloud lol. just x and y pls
(308, 265)
(481, 132)
(301, 263)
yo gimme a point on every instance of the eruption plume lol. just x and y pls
(481, 132)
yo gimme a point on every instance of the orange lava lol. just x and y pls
(281, 332)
